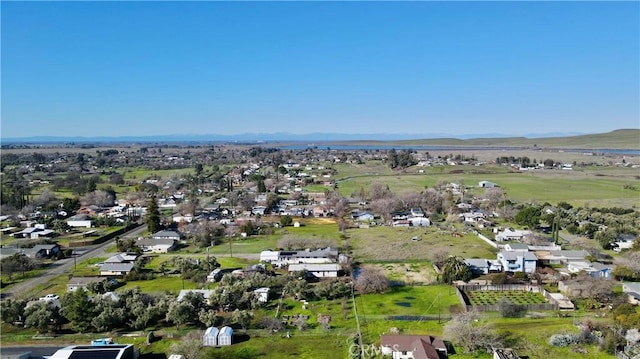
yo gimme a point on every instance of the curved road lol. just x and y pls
(64, 265)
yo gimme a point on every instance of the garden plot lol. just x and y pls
(488, 297)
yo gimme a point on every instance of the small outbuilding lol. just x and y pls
(225, 336)
(210, 337)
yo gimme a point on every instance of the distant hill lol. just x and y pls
(619, 139)
(628, 139)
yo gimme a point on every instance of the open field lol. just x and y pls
(595, 187)
(490, 297)
(395, 244)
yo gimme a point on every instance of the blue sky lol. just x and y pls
(155, 68)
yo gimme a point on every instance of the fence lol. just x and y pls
(461, 289)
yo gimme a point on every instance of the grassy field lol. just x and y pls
(595, 187)
(396, 244)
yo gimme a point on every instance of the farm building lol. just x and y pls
(326, 270)
(210, 337)
(487, 184)
(225, 336)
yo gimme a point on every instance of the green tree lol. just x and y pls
(180, 313)
(242, 317)
(453, 269)
(12, 310)
(40, 315)
(529, 216)
(286, 220)
(153, 215)
(78, 309)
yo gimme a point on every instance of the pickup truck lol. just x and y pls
(50, 297)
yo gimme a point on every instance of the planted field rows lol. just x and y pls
(487, 297)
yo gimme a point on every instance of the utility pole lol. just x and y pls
(355, 310)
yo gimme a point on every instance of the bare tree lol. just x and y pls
(470, 332)
(439, 256)
(379, 190)
(324, 320)
(371, 280)
(189, 346)
(493, 196)
(432, 201)
(631, 261)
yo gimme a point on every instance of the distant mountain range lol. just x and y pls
(266, 137)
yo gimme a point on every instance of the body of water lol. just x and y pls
(447, 148)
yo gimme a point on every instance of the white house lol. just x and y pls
(413, 347)
(511, 234)
(79, 220)
(518, 261)
(116, 269)
(156, 245)
(167, 235)
(321, 270)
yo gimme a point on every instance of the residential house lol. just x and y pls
(116, 269)
(511, 234)
(483, 266)
(518, 261)
(167, 234)
(318, 270)
(122, 258)
(114, 351)
(76, 283)
(81, 220)
(43, 251)
(38, 231)
(156, 245)
(511, 247)
(413, 347)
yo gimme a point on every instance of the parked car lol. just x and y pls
(50, 297)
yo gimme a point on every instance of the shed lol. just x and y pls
(224, 337)
(210, 337)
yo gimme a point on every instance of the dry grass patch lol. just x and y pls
(408, 273)
(396, 244)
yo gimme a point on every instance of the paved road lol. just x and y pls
(64, 265)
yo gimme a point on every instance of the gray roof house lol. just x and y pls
(518, 261)
(116, 269)
(632, 289)
(167, 235)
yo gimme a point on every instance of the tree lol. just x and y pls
(207, 317)
(470, 332)
(78, 309)
(153, 215)
(453, 269)
(189, 346)
(324, 320)
(371, 280)
(180, 313)
(529, 216)
(242, 317)
(439, 256)
(40, 315)
(286, 220)
(12, 310)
